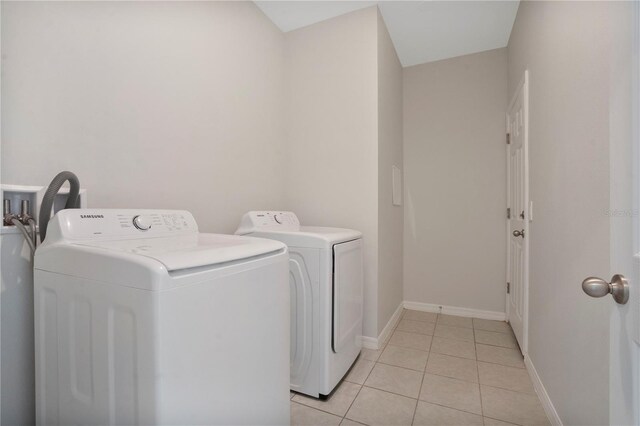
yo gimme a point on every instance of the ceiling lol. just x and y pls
(422, 31)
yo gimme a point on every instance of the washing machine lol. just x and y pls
(326, 288)
(142, 320)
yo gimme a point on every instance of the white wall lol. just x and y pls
(153, 105)
(332, 110)
(455, 181)
(390, 217)
(167, 104)
(566, 47)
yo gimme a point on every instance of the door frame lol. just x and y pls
(524, 84)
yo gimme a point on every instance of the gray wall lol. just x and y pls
(153, 105)
(455, 181)
(165, 105)
(566, 47)
(332, 113)
(390, 217)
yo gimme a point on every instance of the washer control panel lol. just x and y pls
(111, 223)
(268, 220)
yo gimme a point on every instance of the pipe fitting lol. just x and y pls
(7, 217)
(24, 215)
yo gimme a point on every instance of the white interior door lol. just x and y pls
(624, 354)
(518, 213)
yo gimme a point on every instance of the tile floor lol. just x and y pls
(434, 370)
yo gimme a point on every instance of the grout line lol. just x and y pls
(350, 405)
(454, 326)
(404, 347)
(492, 331)
(415, 409)
(314, 408)
(478, 373)
(424, 373)
(392, 393)
(477, 369)
(454, 356)
(502, 365)
(503, 421)
(497, 346)
(481, 402)
(452, 408)
(480, 384)
(510, 390)
(455, 338)
(453, 378)
(417, 320)
(400, 366)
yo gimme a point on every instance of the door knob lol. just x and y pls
(618, 288)
(517, 233)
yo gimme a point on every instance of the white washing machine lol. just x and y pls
(326, 285)
(141, 320)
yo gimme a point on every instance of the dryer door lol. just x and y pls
(302, 336)
(347, 295)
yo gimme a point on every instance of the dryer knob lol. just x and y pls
(142, 223)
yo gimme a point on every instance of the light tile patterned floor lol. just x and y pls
(434, 370)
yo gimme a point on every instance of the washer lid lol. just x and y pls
(190, 251)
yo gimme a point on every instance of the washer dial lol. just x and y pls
(143, 223)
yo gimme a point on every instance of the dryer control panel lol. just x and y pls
(268, 221)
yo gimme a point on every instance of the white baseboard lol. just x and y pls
(369, 342)
(454, 310)
(375, 343)
(549, 409)
(391, 324)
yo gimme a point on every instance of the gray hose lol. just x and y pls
(34, 233)
(49, 196)
(25, 233)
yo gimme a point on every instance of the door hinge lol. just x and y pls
(508, 138)
(508, 288)
(508, 212)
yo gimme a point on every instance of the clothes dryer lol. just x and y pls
(326, 288)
